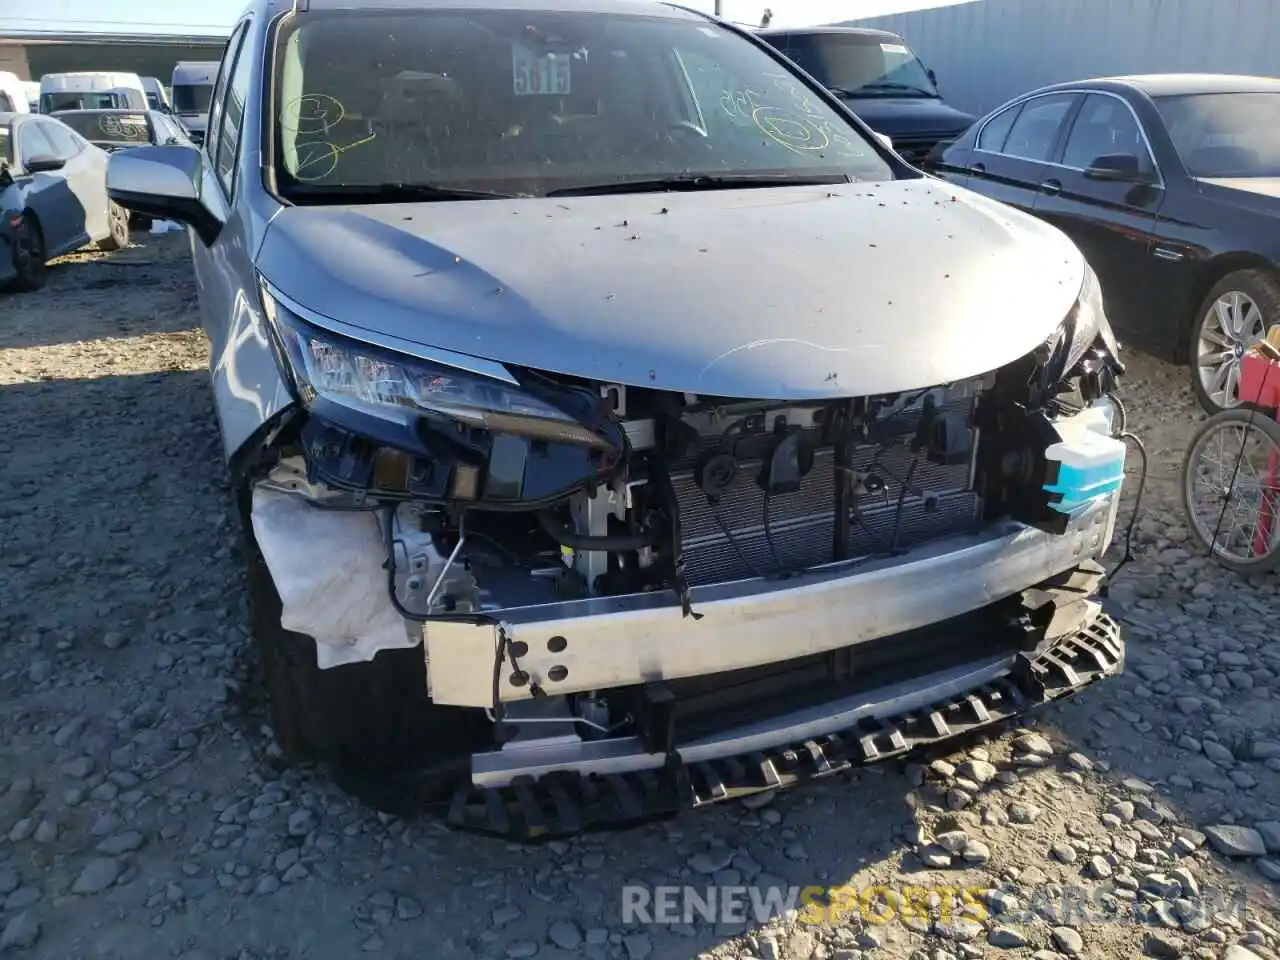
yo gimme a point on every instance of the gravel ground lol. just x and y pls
(143, 812)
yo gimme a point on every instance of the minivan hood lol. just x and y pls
(779, 293)
(909, 116)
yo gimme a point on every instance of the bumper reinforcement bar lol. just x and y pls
(563, 803)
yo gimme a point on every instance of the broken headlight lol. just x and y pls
(332, 371)
(1089, 322)
(1086, 325)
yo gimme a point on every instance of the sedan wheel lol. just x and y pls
(118, 220)
(1235, 315)
(28, 255)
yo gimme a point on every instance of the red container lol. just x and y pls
(1260, 384)
(1259, 381)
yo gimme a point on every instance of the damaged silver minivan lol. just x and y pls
(617, 424)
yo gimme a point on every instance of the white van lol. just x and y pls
(157, 96)
(192, 90)
(91, 89)
(32, 90)
(13, 97)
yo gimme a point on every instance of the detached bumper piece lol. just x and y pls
(564, 803)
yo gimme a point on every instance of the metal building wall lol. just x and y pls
(987, 51)
(145, 59)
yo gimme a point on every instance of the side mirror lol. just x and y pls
(1115, 166)
(933, 77)
(885, 139)
(43, 163)
(163, 183)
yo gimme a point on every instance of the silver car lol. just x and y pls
(616, 423)
(53, 198)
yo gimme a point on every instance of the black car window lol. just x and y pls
(996, 131)
(64, 143)
(1225, 134)
(859, 63)
(1036, 129)
(219, 91)
(109, 127)
(33, 143)
(1105, 125)
(228, 149)
(193, 98)
(6, 105)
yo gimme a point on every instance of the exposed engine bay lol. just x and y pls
(701, 491)
(612, 579)
(637, 493)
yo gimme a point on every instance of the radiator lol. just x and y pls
(728, 541)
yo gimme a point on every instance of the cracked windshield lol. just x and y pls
(521, 103)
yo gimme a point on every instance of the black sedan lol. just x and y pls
(1170, 186)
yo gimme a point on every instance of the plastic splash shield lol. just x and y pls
(1086, 463)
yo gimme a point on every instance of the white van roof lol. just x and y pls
(89, 80)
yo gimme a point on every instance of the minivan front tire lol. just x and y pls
(371, 721)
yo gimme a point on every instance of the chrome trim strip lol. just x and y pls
(459, 361)
(495, 768)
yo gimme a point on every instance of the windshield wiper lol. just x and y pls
(887, 87)
(389, 193)
(693, 183)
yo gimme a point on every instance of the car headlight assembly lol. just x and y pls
(472, 436)
(401, 389)
(1089, 323)
(1078, 334)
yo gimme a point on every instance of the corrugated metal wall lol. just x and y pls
(987, 51)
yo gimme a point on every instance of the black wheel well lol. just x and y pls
(1209, 275)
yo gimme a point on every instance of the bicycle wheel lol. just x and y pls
(1231, 489)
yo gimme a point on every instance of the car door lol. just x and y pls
(47, 193)
(86, 174)
(224, 272)
(1008, 160)
(1112, 221)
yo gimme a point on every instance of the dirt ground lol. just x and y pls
(144, 813)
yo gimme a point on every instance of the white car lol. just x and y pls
(53, 193)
